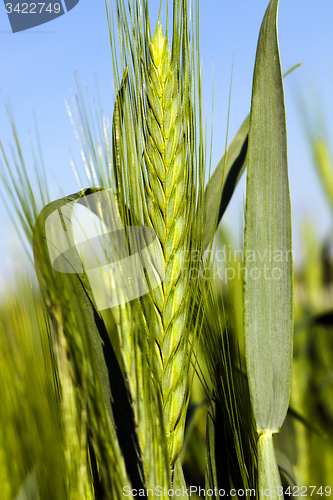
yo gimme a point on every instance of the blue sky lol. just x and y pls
(36, 73)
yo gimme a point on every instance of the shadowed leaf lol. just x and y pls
(92, 331)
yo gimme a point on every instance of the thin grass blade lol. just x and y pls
(228, 172)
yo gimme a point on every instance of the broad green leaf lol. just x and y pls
(268, 300)
(91, 333)
(235, 164)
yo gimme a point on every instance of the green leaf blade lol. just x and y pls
(217, 472)
(226, 175)
(179, 484)
(224, 180)
(268, 303)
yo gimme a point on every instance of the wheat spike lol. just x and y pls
(165, 159)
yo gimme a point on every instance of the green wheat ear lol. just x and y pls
(165, 159)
